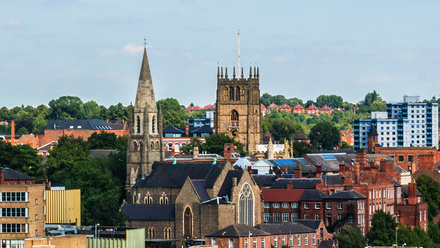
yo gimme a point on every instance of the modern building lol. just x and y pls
(410, 123)
(22, 205)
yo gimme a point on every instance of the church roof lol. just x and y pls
(199, 186)
(169, 175)
(264, 180)
(225, 189)
(149, 212)
(238, 230)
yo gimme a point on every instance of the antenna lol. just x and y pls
(239, 49)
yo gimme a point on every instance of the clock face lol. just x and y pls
(234, 131)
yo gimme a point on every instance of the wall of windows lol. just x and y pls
(14, 197)
(14, 212)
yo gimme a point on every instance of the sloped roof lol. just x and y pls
(193, 108)
(349, 194)
(326, 108)
(169, 175)
(335, 179)
(149, 212)
(199, 186)
(285, 106)
(312, 107)
(312, 195)
(225, 189)
(12, 175)
(298, 106)
(282, 195)
(330, 161)
(238, 230)
(78, 124)
(202, 129)
(173, 129)
(210, 107)
(272, 106)
(284, 228)
(102, 153)
(264, 180)
(298, 183)
(262, 107)
(405, 191)
(302, 136)
(314, 224)
(327, 243)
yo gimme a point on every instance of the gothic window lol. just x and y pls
(237, 94)
(246, 206)
(151, 231)
(163, 198)
(234, 118)
(231, 93)
(152, 144)
(135, 146)
(157, 145)
(167, 233)
(141, 146)
(148, 199)
(138, 124)
(187, 223)
(153, 125)
(138, 198)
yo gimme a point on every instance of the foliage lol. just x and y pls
(22, 158)
(102, 140)
(215, 144)
(332, 101)
(325, 135)
(382, 231)
(415, 238)
(189, 148)
(172, 112)
(66, 108)
(372, 102)
(351, 237)
(300, 149)
(431, 194)
(281, 129)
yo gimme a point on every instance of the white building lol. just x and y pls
(405, 124)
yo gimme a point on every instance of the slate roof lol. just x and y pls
(405, 191)
(349, 194)
(238, 230)
(149, 212)
(282, 195)
(169, 175)
(173, 129)
(78, 124)
(312, 195)
(298, 183)
(117, 124)
(330, 161)
(225, 189)
(284, 228)
(192, 130)
(101, 153)
(199, 186)
(314, 224)
(10, 174)
(264, 180)
(327, 244)
(332, 179)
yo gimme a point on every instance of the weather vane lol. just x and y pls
(145, 42)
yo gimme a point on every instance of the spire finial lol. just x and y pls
(145, 43)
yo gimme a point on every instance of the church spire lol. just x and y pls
(145, 68)
(145, 90)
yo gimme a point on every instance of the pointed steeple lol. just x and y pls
(145, 68)
(145, 90)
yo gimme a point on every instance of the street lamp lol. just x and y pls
(96, 235)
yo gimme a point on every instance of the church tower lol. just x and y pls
(238, 112)
(145, 142)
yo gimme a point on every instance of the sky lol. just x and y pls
(93, 48)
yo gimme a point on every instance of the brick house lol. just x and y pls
(326, 109)
(412, 211)
(312, 110)
(239, 236)
(263, 109)
(193, 109)
(271, 107)
(285, 107)
(299, 109)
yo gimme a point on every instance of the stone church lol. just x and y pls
(181, 200)
(238, 111)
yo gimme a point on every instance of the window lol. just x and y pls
(263, 242)
(317, 217)
(36, 216)
(267, 205)
(246, 243)
(14, 197)
(285, 217)
(276, 205)
(231, 94)
(291, 240)
(151, 232)
(237, 94)
(328, 205)
(246, 206)
(351, 219)
(314, 239)
(294, 216)
(294, 204)
(298, 236)
(276, 217)
(285, 204)
(401, 158)
(138, 124)
(275, 241)
(14, 228)
(255, 243)
(234, 118)
(213, 241)
(306, 206)
(283, 240)
(339, 217)
(167, 233)
(14, 212)
(266, 217)
(306, 239)
(187, 223)
(339, 205)
(231, 243)
(306, 216)
(317, 206)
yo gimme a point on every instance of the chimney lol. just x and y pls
(289, 185)
(357, 169)
(228, 150)
(187, 129)
(318, 170)
(286, 169)
(372, 163)
(342, 168)
(298, 171)
(195, 151)
(412, 194)
(13, 132)
(361, 156)
(2, 176)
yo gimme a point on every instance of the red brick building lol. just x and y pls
(299, 109)
(286, 108)
(326, 109)
(312, 110)
(271, 107)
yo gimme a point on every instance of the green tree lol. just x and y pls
(430, 190)
(91, 110)
(351, 237)
(117, 112)
(215, 144)
(333, 101)
(102, 140)
(300, 149)
(281, 129)
(172, 112)
(66, 108)
(325, 135)
(382, 231)
(189, 148)
(22, 158)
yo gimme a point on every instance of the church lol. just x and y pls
(180, 200)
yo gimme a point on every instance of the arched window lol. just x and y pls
(148, 199)
(231, 94)
(187, 223)
(153, 125)
(141, 146)
(157, 145)
(234, 118)
(237, 94)
(163, 198)
(151, 232)
(167, 233)
(246, 206)
(152, 144)
(135, 146)
(138, 124)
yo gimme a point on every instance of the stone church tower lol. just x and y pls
(145, 142)
(238, 112)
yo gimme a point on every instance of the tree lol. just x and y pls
(351, 237)
(66, 108)
(22, 158)
(285, 129)
(216, 143)
(91, 110)
(189, 148)
(382, 231)
(333, 101)
(117, 112)
(325, 135)
(102, 140)
(430, 190)
(172, 112)
(300, 149)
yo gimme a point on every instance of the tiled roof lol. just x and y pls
(335, 179)
(284, 228)
(298, 183)
(199, 186)
(302, 136)
(78, 124)
(314, 224)
(173, 129)
(149, 212)
(193, 108)
(272, 106)
(282, 195)
(209, 107)
(238, 230)
(405, 191)
(327, 243)
(10, 174)
(313, 195)
(350, 194)
(264, 180)
(298, 106)
(326, 108)
(330, 161)
(169, 175)
(312, 107)
(262, 107)
(285, 106)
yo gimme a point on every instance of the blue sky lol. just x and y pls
(93, 48)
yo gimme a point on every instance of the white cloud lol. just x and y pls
(132, 49)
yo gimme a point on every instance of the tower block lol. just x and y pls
(238, 111)
(145, 141)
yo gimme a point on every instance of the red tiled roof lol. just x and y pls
(263, 108)
(209, 107)
(193, 108)
(282, 195)
(272, 106)
(285, 106)
(326, 108)
(298, 106)
(312, 107)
